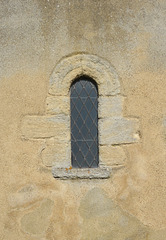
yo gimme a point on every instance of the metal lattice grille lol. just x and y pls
(84, 124)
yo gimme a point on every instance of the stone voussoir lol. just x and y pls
(84, 64)
(62, 85)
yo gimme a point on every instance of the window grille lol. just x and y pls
(84, 123)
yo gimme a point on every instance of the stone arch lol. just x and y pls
(54, 126)
(77, 65)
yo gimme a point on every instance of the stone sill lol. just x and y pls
(81, 173)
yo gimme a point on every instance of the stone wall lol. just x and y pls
(36, 38)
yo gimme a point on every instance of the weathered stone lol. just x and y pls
(37, 221)
(118, 130)
(23, 196)
(110, 106)
(62, 88)
(112, 155)
(103, 219)
(157, 235)
(75, 173)
(64, 73)
(57, 154)
(58, 105)
(46, 126)
(83, 64)
(103, 73)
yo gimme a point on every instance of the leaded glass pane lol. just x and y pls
(84, 123)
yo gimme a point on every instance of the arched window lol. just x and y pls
(86, 96)
(84, 123)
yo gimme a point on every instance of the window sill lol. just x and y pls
(81, 173)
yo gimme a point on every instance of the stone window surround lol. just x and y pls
(54, 127)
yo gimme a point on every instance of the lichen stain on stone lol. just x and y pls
(104, 220)
(37, 222)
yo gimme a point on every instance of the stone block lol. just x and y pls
(57, 154)
(112, 155)
(81, 173)
(110, 106)
(118, 130)
(24, 196)
(36, 222)
(46, 127)
(109, 220)
(58, 105)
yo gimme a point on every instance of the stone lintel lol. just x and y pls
(81, 173)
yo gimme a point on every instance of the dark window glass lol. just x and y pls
(84, 123)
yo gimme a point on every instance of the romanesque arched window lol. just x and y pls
(84, 123)
(82, 140)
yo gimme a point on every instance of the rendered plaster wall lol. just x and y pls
(131, 36)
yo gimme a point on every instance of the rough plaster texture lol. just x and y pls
(35, 36)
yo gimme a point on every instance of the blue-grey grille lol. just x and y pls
(84, 123)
